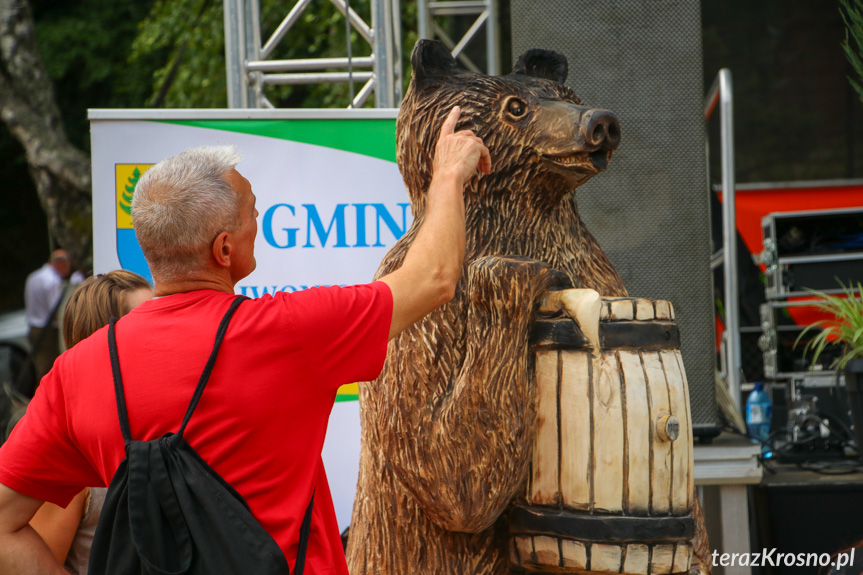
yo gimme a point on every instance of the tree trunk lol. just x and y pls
(60, 171)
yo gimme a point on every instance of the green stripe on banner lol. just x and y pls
(369, 137)
(347, 397)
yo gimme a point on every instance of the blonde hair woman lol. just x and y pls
(69, 532)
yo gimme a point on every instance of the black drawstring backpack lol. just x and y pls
(167, 512)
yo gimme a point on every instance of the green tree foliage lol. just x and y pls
(852, 14)
(86, 45)
(187, 36)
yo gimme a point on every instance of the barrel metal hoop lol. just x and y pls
(644, 335)
(600, 528)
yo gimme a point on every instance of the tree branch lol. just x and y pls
(28, 107)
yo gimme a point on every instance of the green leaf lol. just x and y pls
(846, 326)
(852, 15)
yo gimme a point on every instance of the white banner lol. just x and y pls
(331, 203)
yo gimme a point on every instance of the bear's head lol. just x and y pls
(544, 141)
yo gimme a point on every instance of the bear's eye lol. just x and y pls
(515, 107)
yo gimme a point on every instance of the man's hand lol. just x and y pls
(460, 153)
(429, 273)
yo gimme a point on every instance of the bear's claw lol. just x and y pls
(582, 305)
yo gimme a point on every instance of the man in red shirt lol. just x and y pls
(262, 418)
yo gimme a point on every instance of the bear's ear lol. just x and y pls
(430, 59)
(546, 64)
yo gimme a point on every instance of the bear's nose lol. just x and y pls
(600, 129)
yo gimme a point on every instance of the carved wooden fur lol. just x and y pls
(447, 427)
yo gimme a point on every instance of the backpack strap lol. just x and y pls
(304, 538)
(202, 382)
(118, 382)
(205, 376)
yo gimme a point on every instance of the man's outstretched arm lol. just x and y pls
(22, 551)
(431, 268)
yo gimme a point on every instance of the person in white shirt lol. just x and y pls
(43, 293)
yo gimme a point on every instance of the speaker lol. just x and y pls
(650, 210)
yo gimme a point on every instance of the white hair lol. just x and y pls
(181, 204)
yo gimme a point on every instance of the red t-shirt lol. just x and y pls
(262, 418)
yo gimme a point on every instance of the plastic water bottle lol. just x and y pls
(759, 413)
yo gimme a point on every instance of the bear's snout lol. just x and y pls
(600, 129)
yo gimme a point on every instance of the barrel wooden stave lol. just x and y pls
(661, 559)
(574, 554)
(608, 444)
(682, 461)
(544, 485)
(576, 475)
(546, 550)
(661, 460)
(682, 558)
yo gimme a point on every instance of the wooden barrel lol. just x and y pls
(612, 473)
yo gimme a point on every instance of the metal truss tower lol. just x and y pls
(428, 13)
(250, 67)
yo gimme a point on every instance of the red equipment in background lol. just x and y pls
(755, 201)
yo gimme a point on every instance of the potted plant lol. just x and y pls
(845, 328)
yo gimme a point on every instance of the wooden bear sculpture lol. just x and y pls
(448, 427)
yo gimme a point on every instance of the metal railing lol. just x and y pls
(721, 93)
